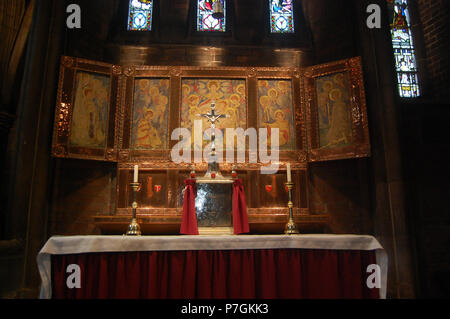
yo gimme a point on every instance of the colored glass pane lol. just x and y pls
(205, 19)
(281, 16)
(140, 15)
(404, 51)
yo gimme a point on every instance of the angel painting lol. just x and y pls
(276, 111)
(90, 110)
(334, 110)
(229, 97)
(150, 114)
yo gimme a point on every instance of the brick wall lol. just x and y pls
(434, 19)
(424, 142)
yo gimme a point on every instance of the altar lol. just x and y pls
(164, 127)
(216, 267)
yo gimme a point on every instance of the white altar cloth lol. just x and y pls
(62, 245)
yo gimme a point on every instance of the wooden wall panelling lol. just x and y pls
(265, 215)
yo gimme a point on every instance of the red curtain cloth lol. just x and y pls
(234, 274)
(189, 217)
(240, 220)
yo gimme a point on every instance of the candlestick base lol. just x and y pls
(291, 228)
(134, 229)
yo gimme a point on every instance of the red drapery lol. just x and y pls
(189, 218)
(235, 274)
(240, 220)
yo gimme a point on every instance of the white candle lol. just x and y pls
(289, 177)
(135, 180)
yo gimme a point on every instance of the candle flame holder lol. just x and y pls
(134, 229)
(291, 227)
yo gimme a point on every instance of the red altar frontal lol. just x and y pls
(216, 267)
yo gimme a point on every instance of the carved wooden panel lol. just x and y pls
(161, 191)
(103, 110)
(172, 93)
(127, 115)
(336, 111)
(87, 103)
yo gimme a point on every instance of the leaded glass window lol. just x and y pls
(281, 16)
(404, 52)
(140, 15)
(205, 19)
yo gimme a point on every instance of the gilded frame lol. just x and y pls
(65, 105)
(360, 142)
(131, 74)
(176, 75)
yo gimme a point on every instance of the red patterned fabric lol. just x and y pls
(240, 219)
(235, 274)
(189, 218)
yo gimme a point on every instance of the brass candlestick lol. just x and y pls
(134, 229)
(291, 227)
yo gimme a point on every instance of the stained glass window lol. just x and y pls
(404, 52)
(205, 19)
(140, 15)
(281, 16)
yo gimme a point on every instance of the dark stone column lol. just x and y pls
(6, 123)
(331, 23)
(28, 159)
(385, 169)
(339, 31)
